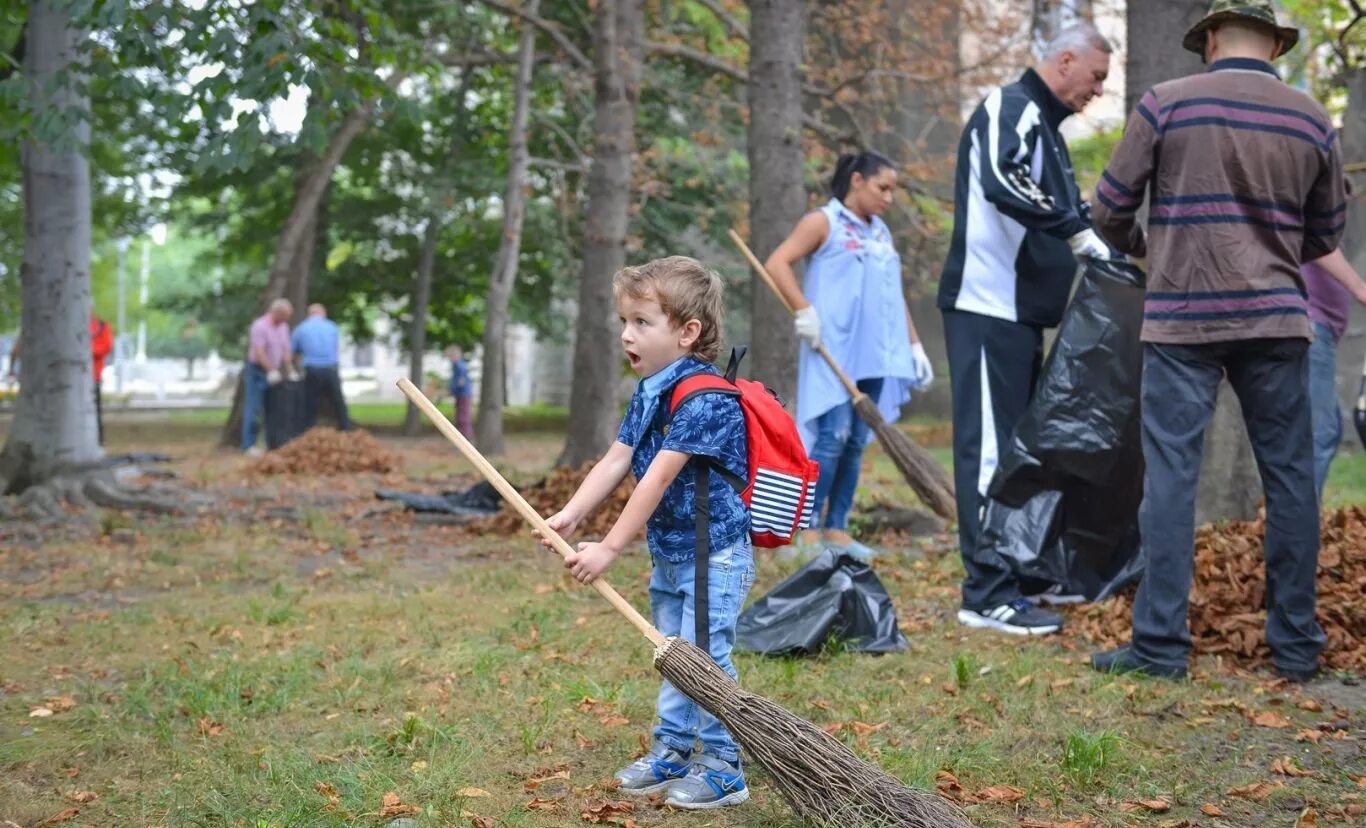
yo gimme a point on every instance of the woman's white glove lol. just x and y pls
(808, 326)
(1088, 244)
(921, 369)
(273, 377)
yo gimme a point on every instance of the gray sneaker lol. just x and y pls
(653, 772)
(710, 783)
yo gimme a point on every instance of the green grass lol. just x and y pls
(217, 681)
(389, 416)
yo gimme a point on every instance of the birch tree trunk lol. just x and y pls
(618, 50)
(488, 427)
(54, 422)
(777, 197)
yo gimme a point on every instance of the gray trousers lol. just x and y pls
(1180, 384)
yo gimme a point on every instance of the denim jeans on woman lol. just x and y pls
(1323, 402)
(729, 576)
(841, 435)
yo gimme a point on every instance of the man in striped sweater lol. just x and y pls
(1244, 178)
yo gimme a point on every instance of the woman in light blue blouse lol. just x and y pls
(851, 300)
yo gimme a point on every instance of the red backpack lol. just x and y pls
(779, 489)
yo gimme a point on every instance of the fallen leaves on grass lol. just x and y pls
(326, 451)
(1255, 791)
(477, 821)
(1270, 718)
(613, 812)
(1285, 766)
(1084, 822)
(208, 727)
(1156, 806)
(82, 796)
(1308, 818)
(392, 806)
(539, 804)
(614, 721)
(472, 793)
(1230, 587)
(549, 496)
(58, 818)
(999, 793)
(1209, 809)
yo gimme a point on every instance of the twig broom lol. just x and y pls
(823, 781)
(929, 480)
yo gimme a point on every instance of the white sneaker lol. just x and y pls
(255, 451)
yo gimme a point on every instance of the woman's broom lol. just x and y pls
(929, 480)
(823, 781)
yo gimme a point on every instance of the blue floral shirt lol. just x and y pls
(708, 425)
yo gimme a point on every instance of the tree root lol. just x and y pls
(75, 494)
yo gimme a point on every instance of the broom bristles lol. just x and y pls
(823, 781)
(926, 477)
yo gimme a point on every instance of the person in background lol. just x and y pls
(1332, 284)
(461, 390)
(317, 349)
(268, 356)
(1244, 175)
(101, 345)
(851, 300)
(1020, 225)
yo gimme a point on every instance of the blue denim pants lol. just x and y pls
(254, 388)
(841, 435)
(1323, 402)
(682, 723)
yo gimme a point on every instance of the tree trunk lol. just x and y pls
(618, 49)
(426, 261)
(1230, 488)
(777, 197)
(294, 248)
(1352, 347)
(54, 422)
(488, 427)
(1155, 29)
(417, 337)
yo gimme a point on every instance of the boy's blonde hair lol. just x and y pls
(685, 290)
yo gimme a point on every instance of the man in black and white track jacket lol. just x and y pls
(1019, 226)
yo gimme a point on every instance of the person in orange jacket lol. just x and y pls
(101, 345)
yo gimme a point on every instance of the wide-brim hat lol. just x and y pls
(1253, 11)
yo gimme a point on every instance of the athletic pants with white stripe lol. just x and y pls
(993, 366)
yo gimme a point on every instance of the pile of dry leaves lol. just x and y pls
(550, 495)
(1226, 613)
(324, 451)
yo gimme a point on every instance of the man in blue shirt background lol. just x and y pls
(317, 345)
(461, 390)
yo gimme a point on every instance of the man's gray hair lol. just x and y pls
(282, 304)
(1076, 37)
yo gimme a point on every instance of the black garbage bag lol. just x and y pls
(286, 412)
(1063, 503)
(835, 597)
(480, 500)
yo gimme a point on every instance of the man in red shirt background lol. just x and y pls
(101, 345)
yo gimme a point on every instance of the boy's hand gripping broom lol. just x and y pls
(929, 480)
(823, 781)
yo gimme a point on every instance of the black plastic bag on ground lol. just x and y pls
(1063, 503)
(834, 598)
(480, 500)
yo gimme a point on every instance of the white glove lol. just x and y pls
(808, 326)
(273, 377)
(293, 376)
(1087, 244)
(921, 369)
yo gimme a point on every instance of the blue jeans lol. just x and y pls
(730, 575)
(1323, 402)
(840, 438)
(254, 387)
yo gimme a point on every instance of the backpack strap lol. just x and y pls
(686, 389)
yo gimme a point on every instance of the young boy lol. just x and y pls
(670, 313)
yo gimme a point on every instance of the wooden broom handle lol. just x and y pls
(849, 385)
(523, 508)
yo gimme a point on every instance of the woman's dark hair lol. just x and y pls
(866, 164)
